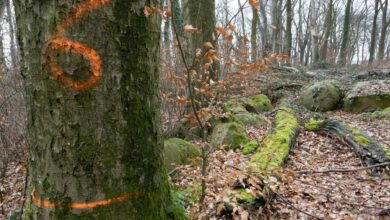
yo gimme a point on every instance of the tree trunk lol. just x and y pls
(288, 28)
(345, 42)
(265, 35)
(255, 19)
(385, 25)
(373, 34)
(3, 66)
(201, 15)
(13, 48)
(93, 110)
(314, 32)
(328, 29)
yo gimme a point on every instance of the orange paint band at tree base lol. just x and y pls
(38, 201)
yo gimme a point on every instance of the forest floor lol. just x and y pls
(336, 195)
(349, 195)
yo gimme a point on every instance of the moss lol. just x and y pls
(314, 124)
(250, 147)
(245, 198)
(176, 210)
(276, 146)
(258, 103)
(381, 114)
(387, 151)
(231, 134)
(233, 106)
(179, 151)
(249, 119)
(359, 137)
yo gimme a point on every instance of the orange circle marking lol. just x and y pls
(57, 43)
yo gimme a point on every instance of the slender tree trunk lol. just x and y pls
(345, 41)
(373, 33)
(93, 110)
(265, 36)
(13, 47)
(314, 32)
(201, 14)
(3, 66)
(288, 28)
(328, 29)
(242, 19)
(255, 19)
(385, 25)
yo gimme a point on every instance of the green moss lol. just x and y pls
(176, 210)
(381, 114)
(231, 134)
(276, 146)
(387, 151)
(179, 151)
(249, 119)
(360, 138)
(313, 124)
(250, 147)
(233, 106)
(245, 198)
(258, 103)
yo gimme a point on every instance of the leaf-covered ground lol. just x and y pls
(350, 195)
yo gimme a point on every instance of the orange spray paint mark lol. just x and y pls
(38, 201)
(57, 43)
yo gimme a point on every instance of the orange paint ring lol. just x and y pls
(38, 201)
(74, 47)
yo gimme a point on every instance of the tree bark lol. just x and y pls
(345, 41)
(95, 148)
(13, 48)
(385, 25)
(255, 19)
(288, 28)
(373, 34)
(328, 29)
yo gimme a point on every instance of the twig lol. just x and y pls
(344, 170)
(284, 200)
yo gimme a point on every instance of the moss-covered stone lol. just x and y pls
(250, 147)
(231, 134)
(322, 96)
(179, 151)
(385, 113)
(314, 124)
(276, 146)
(234, 107)
(247, 118)
(368, 96)
(258, 103)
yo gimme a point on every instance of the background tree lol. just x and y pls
(373, 32)
(95, 148)
(345, 36)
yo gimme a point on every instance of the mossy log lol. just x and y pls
(367, 148)
(262, 172)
